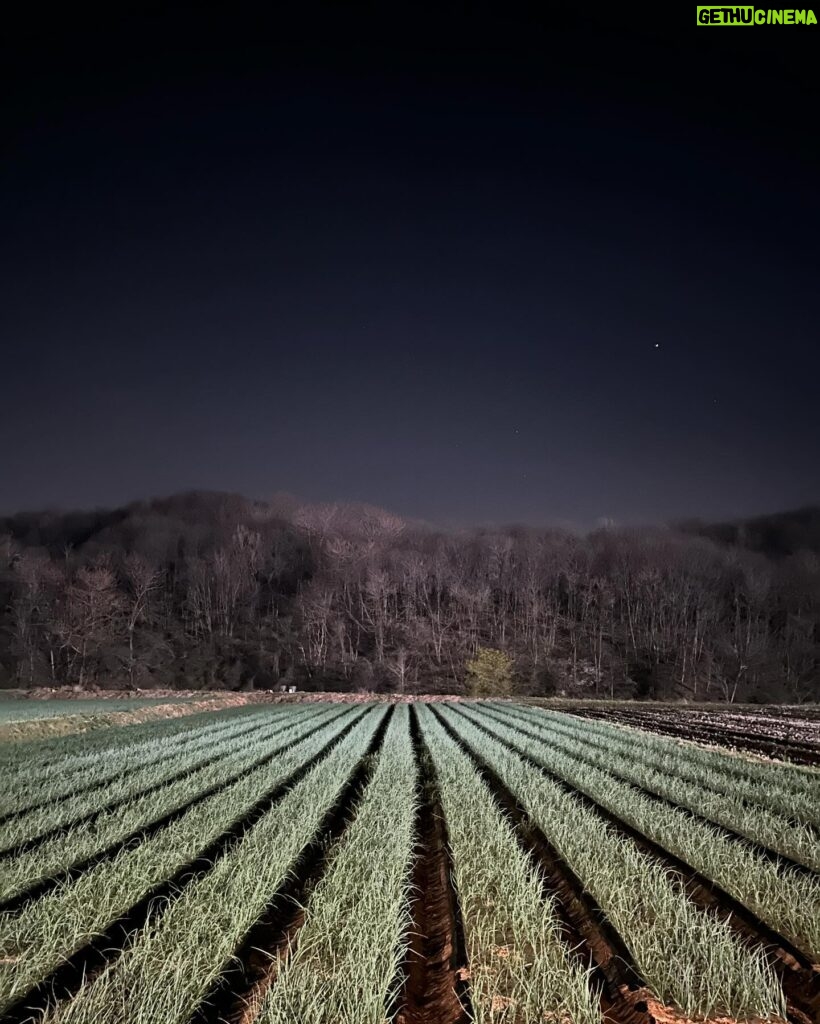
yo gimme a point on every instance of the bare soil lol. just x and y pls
(435, 989)
(786, 735)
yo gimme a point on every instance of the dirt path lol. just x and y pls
(435, 989)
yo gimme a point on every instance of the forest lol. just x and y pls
(208, 590)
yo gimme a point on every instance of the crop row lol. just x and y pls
(348, 952)
(272, 866)
(778, 895)
(517, 960)
(129, 743)
(782, 836)
(125, 823)
(33, 788)
(767, 811)
(46, 819)
(168, 970)
(34, 941)
(687, 957)
(25, 710)
(755, 777)
(64, 753)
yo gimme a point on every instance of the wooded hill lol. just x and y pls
(215, 590)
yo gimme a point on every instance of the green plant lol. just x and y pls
(169, 968)
(36, 940)
(688, 958)
(350, 947)
(489, 673)
(518, 964)
(776, 893)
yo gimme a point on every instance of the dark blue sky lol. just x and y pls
(468, 268)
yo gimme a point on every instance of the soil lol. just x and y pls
(786, 735)
(435, 989)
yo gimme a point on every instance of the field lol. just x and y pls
(12, 710)
(25, 719)
(791, 733)
(409, 863)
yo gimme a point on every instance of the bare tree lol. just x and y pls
(142, 579)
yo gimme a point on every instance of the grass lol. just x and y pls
(132, 808)
(32, 784)
(64, 753)
(24, 710)
(36, 940)
(60, 812)
(55, 856)
(694, 787)
(789, 790)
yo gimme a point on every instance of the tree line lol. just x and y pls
(211, 590)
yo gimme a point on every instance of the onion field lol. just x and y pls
(424, 863)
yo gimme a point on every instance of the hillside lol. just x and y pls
(211, 590)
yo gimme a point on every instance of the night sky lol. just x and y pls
(469, 267)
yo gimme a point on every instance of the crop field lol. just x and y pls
(402, 863)
(789, 733)
(16, 710)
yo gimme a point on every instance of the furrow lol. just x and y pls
(435, 990)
